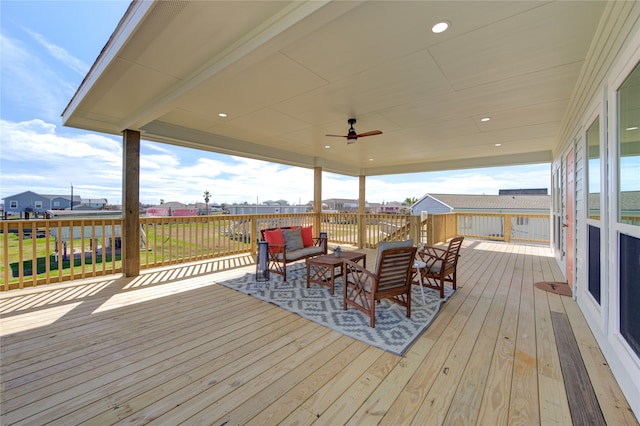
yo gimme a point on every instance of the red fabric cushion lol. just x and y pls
(307, 236)
(274, 237)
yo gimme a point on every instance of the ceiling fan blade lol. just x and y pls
(337, 136)
(371, 133)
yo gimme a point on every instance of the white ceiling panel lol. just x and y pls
(287, 73)
(545, 37)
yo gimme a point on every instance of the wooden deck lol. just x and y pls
(172, 346)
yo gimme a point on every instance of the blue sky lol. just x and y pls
(46, 50)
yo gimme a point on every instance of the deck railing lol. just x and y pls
(38, 252)
(504, 227)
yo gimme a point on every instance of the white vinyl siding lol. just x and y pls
(613, 54)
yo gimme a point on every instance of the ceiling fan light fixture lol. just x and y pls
(440, 27)
(352, 136)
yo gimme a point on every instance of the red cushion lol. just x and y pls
(307, 236)
(274, 237)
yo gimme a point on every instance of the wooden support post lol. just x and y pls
(414, 229)
(507, 228)
(430, 229)
(317, 200)
(131, 203)
(255, 234)
(362, 200)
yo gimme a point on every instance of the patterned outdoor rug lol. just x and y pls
(394, 332)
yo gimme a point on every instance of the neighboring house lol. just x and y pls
(510, 204)
(29, 202)
(491, 226)
(26, 202)
(61, 202)
(629, 207)
(535, 191)
(202, 208)
(343, 205)
(392, 207)
(265, 209)
(95, 203)
(172, 208)
(276, 203)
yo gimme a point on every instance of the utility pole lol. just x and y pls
(71, 195)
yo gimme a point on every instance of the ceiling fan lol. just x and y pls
(352, 136)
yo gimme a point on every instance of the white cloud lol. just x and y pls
(60, 54)
(36, 139)
(36, 156)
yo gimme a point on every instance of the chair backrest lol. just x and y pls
(453, 252)
(385, 245)
(393, 271)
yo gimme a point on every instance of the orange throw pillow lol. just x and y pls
(307, 236)
(274, 237)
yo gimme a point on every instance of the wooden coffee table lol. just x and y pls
(322, 269)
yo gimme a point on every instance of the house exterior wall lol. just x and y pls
(60, 203)
(99, 203)
(157, 212)
(184, 212)
(430, 205)
(26, 202)
(614, 54)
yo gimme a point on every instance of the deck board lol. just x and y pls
(524, 407)
(173, 346)
(471, 387)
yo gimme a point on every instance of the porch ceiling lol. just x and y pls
(289, 72)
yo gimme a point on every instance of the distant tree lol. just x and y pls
(206, 196)
(410, 201)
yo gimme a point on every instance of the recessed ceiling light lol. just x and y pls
(370, 159)
(440, 27)
(222, 114)
(485, 119)
(498, 144)
(327, 146)
(632, 128)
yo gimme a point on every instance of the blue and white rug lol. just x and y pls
(394, 332)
